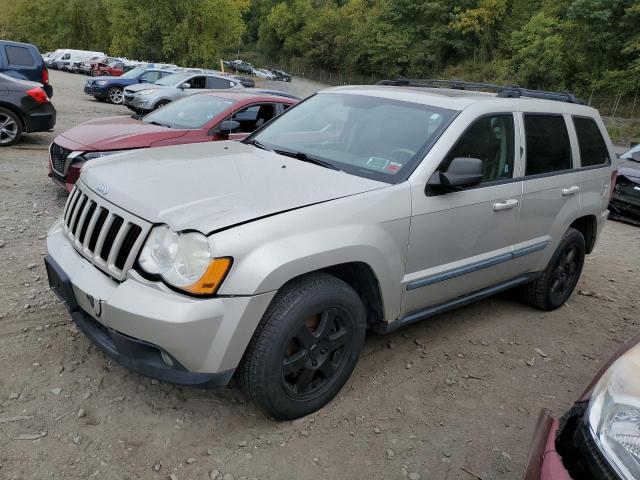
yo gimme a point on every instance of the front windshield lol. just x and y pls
(174, 79)
(134, 73)
(190, 112)
(628, 154)
(368, 136)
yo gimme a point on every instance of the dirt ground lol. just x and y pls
(455, 394)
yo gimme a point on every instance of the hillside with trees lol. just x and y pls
(588, 46)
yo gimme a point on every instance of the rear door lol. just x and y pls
(551, 186)
(219, 83)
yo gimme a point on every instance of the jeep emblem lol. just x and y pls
(102, 189)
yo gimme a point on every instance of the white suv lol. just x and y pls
(361, 207)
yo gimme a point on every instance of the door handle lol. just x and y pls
(506, 205)
(566, 191)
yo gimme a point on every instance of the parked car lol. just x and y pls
(146, 98)
(25, 107)
(23, 61)
(598, 437)
(84, 66)
(204, 117)
(625, 202)
(111, 69)
(360, 207)
(240, 66)
(247, 82)
(71, 57)
(281, 76)
(263, 74)
(111, 89)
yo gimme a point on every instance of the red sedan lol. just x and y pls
(202, 117)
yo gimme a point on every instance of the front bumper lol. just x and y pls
(625, 208)
(136, 321)
(544, 461)
(138, 105)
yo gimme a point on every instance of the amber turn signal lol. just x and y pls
(212, 278)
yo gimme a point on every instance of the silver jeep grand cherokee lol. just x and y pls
(363, 207)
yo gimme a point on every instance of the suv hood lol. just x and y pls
(629, 169)
(115, 133)
(210, 186)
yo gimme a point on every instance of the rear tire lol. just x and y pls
(554, 287)
(10, 128)
(305, 347)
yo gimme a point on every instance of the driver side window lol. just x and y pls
(490, 139)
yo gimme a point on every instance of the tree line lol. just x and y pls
(553, 44)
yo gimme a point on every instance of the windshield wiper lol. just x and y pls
(306, 158)
(256, 143)
(160, 124)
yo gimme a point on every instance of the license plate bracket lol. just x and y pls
(60, 284)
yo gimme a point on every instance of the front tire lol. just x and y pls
(161, 104)
(115, 95)
(305, 347)
(10, 128)
(554, 287)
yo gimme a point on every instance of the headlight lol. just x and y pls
(614, 414)
(183, 260)
(93, 155)
(100, 82)
(146, 92)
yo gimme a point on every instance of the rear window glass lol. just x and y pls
(548, 147)
(593, 150)
(19, 56)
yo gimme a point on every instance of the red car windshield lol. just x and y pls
(190, 112)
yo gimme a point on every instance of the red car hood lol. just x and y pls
(116, 133)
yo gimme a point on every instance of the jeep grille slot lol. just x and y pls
(104, 234)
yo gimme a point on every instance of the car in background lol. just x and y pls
(25, 107)
(208, 116)
(111, 69)
(247, 82)
(239, 66)
(110, 89)
(598, 437)
(71, 57)
(146, 98)
(23, 61)
(84, 66)
(281, 76)
(625, 201)
(263, 74)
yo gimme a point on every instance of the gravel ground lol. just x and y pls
(455, 394)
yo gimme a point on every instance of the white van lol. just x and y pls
(69, 57)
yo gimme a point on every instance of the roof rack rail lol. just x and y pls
(503, 91)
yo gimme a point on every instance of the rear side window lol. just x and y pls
(213, 82)
(593, 150)
(19, 56)
(548, 147)
(491, 140)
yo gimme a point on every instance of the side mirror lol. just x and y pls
(185, 85)
(225, 128)
(463, 172)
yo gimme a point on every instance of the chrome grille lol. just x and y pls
(59, 157)
(104, 234)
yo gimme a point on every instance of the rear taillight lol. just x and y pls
(38, 94)
(45, 76)
(614, 179)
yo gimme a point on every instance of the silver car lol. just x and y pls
(360, 208)
(145, 98)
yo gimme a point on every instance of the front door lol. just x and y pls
(461, 242)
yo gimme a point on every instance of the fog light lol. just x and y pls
(166, 358)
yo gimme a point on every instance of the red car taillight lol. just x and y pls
(614, 179)
(45, 76)
(38, 94)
